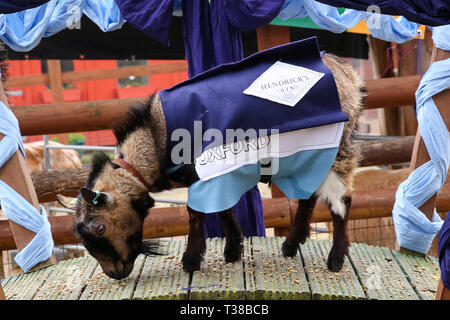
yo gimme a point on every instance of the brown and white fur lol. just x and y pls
(111, 229)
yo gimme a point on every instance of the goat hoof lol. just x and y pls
(288, 250)
(191, 263)
(233, 253)
(335, 262)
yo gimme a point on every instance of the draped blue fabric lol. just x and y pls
(431, 13)
(444, 251)
(151, 17)
(10, 6)
(212, 37)
(22, 31)
(15, 207)
(381, 26)
(414, 231)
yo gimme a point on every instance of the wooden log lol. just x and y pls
(173, 221)
(67, 182)
(391, 92)
(72, 116)
(386, 151)
(98, 74)
(102, 114)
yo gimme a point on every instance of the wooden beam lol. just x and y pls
(98, 74)
(98, 115)
(391, 92)
(69, 181)
(15, 173)
(373, 152)
(72, 116)
(173, 221)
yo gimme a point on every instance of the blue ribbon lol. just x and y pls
(414, 231)
(15, 207)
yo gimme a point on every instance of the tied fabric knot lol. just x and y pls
(414, 231)
(15, 207)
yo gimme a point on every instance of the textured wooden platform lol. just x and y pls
(263, 273)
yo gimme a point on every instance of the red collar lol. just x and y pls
(125, 165)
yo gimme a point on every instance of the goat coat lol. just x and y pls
(286, 103)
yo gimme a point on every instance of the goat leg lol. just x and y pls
(233, 246)
(340, 238)
(196, 246)
(300, 229)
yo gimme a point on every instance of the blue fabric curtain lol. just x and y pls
(10, 6)
(431, 13)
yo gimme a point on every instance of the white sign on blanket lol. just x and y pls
(284, 83)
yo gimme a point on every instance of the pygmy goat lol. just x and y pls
(112, 206)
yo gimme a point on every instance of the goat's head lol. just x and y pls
(109, 216)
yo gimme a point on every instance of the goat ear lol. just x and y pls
(94, 198)
(67, 202)
(142, 204)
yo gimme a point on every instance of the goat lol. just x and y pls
(112, 206)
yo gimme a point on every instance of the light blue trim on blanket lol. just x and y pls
(299, 176)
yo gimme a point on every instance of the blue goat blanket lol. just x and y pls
(286, 102)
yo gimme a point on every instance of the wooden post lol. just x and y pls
(389, 117)
(407, 67)
(57, 90)
(15, 174)
(2, 294)
(421, 156)
(270, 36)
(443, 293)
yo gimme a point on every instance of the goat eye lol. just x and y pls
(100, 230)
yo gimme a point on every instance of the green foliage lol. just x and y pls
(76, 137)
